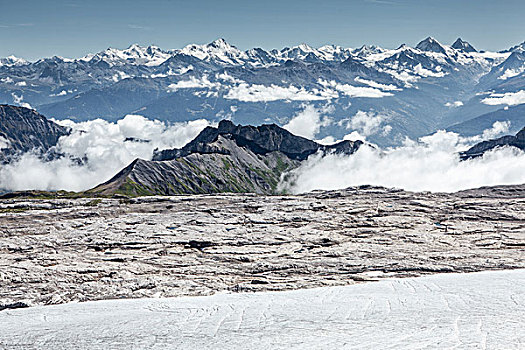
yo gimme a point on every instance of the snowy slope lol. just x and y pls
(464, 311)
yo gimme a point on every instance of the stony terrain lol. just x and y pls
(60, 250)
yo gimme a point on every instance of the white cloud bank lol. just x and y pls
(262, 93)
(105, 146)
(498, 128)
(425, 73)
(385, 87)
(508, 98)
(454, 104)
(510, 73)
(19, 100)
(364, 123)
(236, 89)
(194, 83)
(308, 122)
(431, 164)
(354, 91)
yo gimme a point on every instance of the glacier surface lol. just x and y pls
(484, 310)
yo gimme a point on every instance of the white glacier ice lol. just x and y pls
(483, 310)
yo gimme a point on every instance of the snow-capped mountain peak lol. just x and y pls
(368, 50)
(12, 61)
(218, 51)
(517, 48)
(140, 78)
(221, 44)
(464, 46)
(134, 54)
(333, 52)
(306, 47)
(431, 45)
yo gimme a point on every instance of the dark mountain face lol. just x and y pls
(462, 45)
(260, 140)
(229, 158)
(432, 45)
(23, 130)
(478, 150)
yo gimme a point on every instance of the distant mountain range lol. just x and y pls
(404, 92)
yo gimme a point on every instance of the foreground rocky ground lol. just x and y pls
(55, 251)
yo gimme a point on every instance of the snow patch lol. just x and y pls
(4, 143)
(470, 310)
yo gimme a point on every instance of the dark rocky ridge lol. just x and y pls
(479, 149)
(462, 45)
(24, 129)
(432, 45)
(229, 158)
(260, 140)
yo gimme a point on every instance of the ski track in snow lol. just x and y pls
(484, 310)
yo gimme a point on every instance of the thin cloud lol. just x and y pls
(73, 4)
(17, 25)
(139, 27)
(383, 2)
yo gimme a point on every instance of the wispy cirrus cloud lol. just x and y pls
(383, 2)
(3, 25)
(139, 27)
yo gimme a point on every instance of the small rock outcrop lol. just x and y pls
(479, 149)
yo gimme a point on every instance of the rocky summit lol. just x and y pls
(229, 158)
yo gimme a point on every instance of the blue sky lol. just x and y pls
(72, 28)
